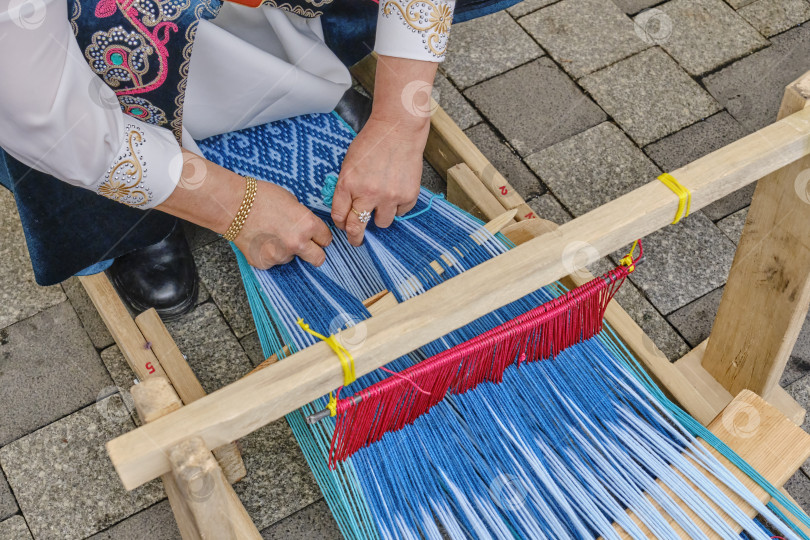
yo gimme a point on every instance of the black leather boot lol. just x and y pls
(354, 108)
(162, 276)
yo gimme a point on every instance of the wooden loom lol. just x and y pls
(763, 307)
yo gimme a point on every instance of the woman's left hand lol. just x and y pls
(381, 174)
(383, 167)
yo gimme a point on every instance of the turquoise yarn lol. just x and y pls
(328, 194)
(328, 189)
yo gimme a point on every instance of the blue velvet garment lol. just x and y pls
(69, 229)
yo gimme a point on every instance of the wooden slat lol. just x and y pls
(186, 385)
(466, 191)
(247, 404)
(767, 295)
(151, 397)
(115, 315)
(218, 512)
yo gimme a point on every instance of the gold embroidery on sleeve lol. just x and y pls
(430, 19)
(124, 181)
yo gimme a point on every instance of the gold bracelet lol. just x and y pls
(241, 216)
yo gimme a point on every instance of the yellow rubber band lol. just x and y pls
(684, 196)
(627, 260)
(346, 360)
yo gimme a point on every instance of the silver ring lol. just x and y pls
(364, 216)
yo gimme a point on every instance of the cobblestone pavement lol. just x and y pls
(576, 101)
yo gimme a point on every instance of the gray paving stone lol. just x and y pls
(592, 168)
(683, 262)
(732, 226)
(279, 481)
(584, 35)
(800, 391)
(798, 366)
(253, 348)
(505, 161)
(212, 351)
(799, 488)
(20, 296)
(155, 523)
(694, 321)
(432, 180)
(14, 528)
(752, 88)
(655, 327)
(454, 104)
(484, 47)
(198, 236)
(122, 376)
(772, 17)
(88, 315)
(535, 106)
(634, 6)
(737, 4)
(548, 207)
(64, 482)
(693, 142)
(314, 521)
(527, 6)
(649, 95)
(701, 35)
(219, 272)
(48, 369)
(8, 504)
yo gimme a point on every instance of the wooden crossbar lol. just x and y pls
(248, 404)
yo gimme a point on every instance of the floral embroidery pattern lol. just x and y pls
(124, 179)
(119, 57)
(142, 109)
(431, 19)
(297, 9)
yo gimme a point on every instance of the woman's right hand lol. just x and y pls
(277, 229)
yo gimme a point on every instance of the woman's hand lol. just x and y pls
(383, 166)
(277, 229)
(381, 173)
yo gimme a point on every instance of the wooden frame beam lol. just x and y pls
(767, 295)
(258, 399)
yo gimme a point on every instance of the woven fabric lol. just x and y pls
(297, 153)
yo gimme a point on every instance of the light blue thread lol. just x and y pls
(423, 210)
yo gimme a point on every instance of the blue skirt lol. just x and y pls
(69, 229)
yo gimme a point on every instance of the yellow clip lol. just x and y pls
(346, 360)
(627, 260)
(332, 405)
(684, 195)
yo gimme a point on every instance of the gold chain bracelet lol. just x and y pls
(241, 216)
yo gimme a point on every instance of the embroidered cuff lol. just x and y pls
(416, 29)
(146, 168)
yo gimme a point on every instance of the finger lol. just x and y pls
(355, 229)
(341, 204)
(321, 234)
(313, 254)
(403, 209)
(384, 215)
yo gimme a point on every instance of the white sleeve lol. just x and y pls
(58, 117)
(414, 29)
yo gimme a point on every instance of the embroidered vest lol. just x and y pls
(142, 48)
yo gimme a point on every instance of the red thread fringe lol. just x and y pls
(541, 333)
